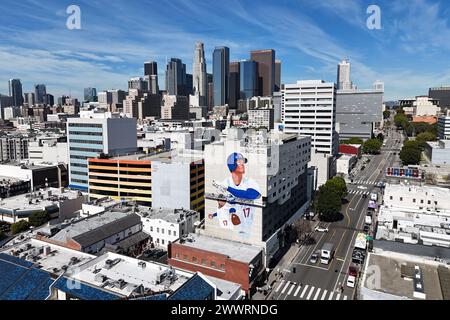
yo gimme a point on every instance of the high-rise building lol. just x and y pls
(199, 81)
(90, 95)
(277, 75)
(93, 134)
(266, 70)
(30, 98)
(176, 77)
(49, 99)
(221, 71)
(40, 92)
(153, 87)
(117, 96)
(138, 83)
(248, 79)
(343, 76)
(309, 108)
(210, 86)
(444, 127)
(189, 84)
(272, 176)
(234, 85)
(150, 68)
(442, 94)
(15, 91)
(175, 107)
(105, 97)
(5, 102)
(140, 105)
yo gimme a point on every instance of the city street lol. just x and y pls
(307, 281)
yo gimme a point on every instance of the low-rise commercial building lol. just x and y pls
(345, 163)
(438, 152)
(59, 203)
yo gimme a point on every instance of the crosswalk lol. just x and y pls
(365, 182)
(293, 291)
(358, 192)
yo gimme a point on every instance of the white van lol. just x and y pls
(374, 197)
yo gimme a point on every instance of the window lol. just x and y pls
(162, 241)
(401, 198)
(213, 264)
(391, 198)
(222, 266)
(177, 255)
(185, 257)
(429, 201)
(203, 262)
(151, 229)
(175, 233)
(157, 230)
(194, 259)
(414, 200)
(170, 232)
(421, 201)
(162, 231)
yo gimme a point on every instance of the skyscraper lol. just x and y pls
(15, 91)
(30, 98)
(90, 94)
(199, 81)
(151, 75)
(266, 70)
(150, 68)
(234, 85)
(138, 83)
(189, 84)
(176, 77)
(221, 71)
(277, 75)
(248, 79)
(343, 76)
(40, 92)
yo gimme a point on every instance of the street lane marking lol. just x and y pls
(317, 294)
(339, 259)
(297, 291)
(345, 297)
(338, 297)
(331, 295)
(291, 289)
(304, 291)
(324, 295)
(311, 266)
(285, 287)
(279, 287)
(310, 293)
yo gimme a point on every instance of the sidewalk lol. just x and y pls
(284, 264)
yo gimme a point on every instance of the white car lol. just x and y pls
(321, 229)
(351, 281)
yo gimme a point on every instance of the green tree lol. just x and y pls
(386, 114)
(327, 204)
(20, 226)
(380, 137)
(372, 146)
(355, 141)
(338, 185)
(410, 155)
(420, 127)
(400, 120)
(39, 218)
(426, 136)
(412, 144)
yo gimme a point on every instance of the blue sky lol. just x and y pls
(410, 53)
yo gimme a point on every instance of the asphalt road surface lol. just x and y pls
(307, 281)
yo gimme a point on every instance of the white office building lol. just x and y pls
(444, 127)
(93, 134)
(343, 78)
(309, 109)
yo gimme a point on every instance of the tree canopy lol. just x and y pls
(328, 203)
(20, 226)
(338, 185)
(372, 146)
(410, 155)
(353, 140)
(39, 218)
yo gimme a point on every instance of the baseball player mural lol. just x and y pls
(237, 195)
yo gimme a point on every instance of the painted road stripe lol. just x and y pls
(324, 295)
(285, 287)
(304, 291)
(279, 287)
(331, 295)
(345, 297)
(310, 293)
(317, 294)
(338, 297)
(291, 289)
(297, 291)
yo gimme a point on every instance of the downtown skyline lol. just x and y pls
(309, 38)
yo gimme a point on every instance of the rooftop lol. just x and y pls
(234, 250)
(167, 157)
(38, 199)
(124, 275)
(48, 257)
(169, 215)
(395, 278)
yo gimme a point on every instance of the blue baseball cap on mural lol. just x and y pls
(232, 160)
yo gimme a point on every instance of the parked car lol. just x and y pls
(321, 229)
(315, 257)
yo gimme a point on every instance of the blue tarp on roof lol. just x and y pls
(20, 281)
(83, 291)
(196, 288)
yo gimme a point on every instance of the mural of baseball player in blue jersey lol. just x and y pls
(238, 192)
